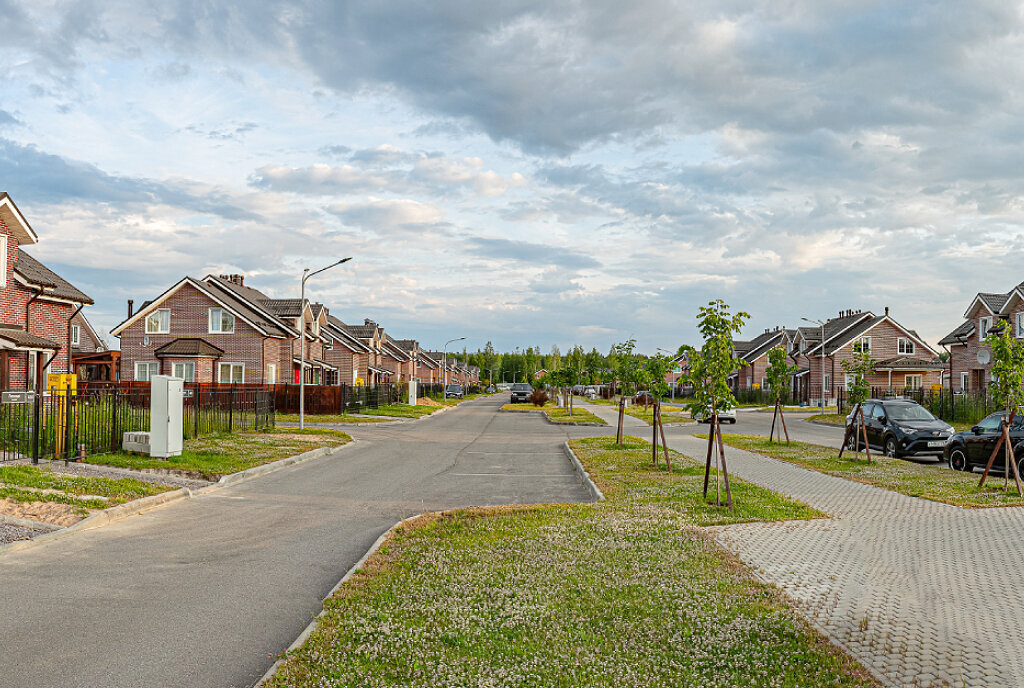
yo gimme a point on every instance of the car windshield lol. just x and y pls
(907, 412)
(520, 387)
(454, 388)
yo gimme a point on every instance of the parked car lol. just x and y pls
(590, 393)
(453, 392)
(966, 451)
(521, 392)
(643, 397)
(901, 427)
(724, 416)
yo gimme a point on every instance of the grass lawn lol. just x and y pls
(402, 411)
(624, 593)
(668, 414)
(556, 414)
(330, 418)
(39, 484)
(899, 475)
(219, 455)
(839, 418)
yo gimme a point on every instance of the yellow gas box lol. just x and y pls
(60, 386)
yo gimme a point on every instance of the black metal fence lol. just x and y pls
(945, 404)
(339, 399)
(57, 426)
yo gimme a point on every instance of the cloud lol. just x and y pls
(382, 214)
(523, 251)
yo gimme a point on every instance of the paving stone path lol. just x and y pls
(925, 594)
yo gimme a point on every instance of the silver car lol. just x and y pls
(725, 416)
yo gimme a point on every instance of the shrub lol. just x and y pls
(538, 397)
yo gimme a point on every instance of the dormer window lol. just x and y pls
(159, 321)
(905, 346)
(984, 325)
(221, 322)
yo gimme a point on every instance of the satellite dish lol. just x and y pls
(984, 356)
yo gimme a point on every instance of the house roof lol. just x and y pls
(18, 338)
(53, 284)
(252, 302)
(15, 221)
(339, 330)
(100, 344)
(189, 346)
(396, 352)
(759, 345)
(283, 308)
(909, 363)
(963, 331)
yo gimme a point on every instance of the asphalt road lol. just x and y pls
(208, 591)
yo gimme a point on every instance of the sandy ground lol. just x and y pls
(47, 512)
(427, 401)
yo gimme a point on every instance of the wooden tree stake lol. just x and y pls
(1011, 462)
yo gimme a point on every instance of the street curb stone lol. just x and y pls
(308, 630)
(28, 523)
(591, 486)
(555, 422)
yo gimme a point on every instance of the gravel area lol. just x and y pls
(95, 471)
(10, 533)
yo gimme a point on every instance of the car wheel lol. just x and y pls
(853, 443)
(958, 459)
(732, 421)
(890, 448)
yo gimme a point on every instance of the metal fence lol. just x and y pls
(55, 426)
(339, 399)
(945, 404)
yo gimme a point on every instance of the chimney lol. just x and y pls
(887, 311)
(237, 279)
(131, 307)
(226, 278)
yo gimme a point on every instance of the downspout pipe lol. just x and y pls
(55, 353)
(28, 320)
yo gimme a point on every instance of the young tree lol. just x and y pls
(710, 367)
(777, 374)
(1006, 385)
(858, 367)
(627, 364)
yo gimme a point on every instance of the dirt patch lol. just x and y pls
(427, 401)
(312, 439)
(47, 512)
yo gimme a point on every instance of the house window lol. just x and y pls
(864, 344)
(159, 321)
(905, 346)
(145, 370)
(271, 374)
(984, 325)
(828, 382)
(851, 380)
(76, 335)
(221, 322)
(1020, 325)
(965, 381)
(914, 381)
(231, 373)
(33, 366)
(3, 260)
(186, 370)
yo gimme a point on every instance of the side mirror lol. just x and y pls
(884, 420)
(976, 429)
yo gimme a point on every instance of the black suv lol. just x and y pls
(901, 427)
(971, 449)
(521, 392)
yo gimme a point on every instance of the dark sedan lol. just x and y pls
(901, 427)
(972, 449)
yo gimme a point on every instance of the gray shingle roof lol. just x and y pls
(995, 302)
(21, 338)
(909, 363)
(189, 346)
(963, 331)
(247, 301)
(37, 273)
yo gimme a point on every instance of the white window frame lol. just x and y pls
(216, 326)
(271, 376)
(231, 374)
(150, 365)
(984, 325)
(76, 335)
(906, 346)
(3, 265)
(31, 382)
(850, 380)
(1020, 325)
(158, 313)
(191, 364)
(862, 341)
(918, 378)
(827, 383)
(965, 381)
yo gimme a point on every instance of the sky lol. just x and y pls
(526, 172)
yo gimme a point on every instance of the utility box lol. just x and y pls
(166, 416)
(413, 393)
(62, 383)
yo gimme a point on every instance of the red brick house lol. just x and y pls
(36, 308)
(903, 359)
(345, 351)
(970, 359)
(219, 330)
(755, 353)
(396, 360)
(372, 335)
(90, 357)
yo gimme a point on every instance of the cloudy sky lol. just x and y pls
(528, 172)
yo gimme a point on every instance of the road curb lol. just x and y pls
(588, 482)
(139, 506)
(555, 422)
(28, 523)
(308, 630)
(825, 422)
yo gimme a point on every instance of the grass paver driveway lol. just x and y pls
(626, 592)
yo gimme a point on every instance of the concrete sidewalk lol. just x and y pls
(208, 591)
(921, 592)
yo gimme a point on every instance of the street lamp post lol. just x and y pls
(819, 322)
(306, 274)
(670, 353)
(444, 355)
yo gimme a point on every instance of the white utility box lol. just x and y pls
(137, 442)
(166, 416)
(413, 393)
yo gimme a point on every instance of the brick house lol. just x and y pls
(397, 360)
(903, 359)
(428, 369)
(345, 351)
(372, 335)
(219, 330)
(36, 308)
(420, 365)
(970, 359)
(90, 357)
(755, 353)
